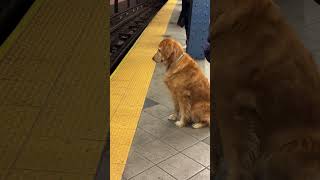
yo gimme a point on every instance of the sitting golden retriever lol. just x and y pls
(189, 87)
(267, 95)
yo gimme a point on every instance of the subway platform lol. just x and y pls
(160, 150)
(143, 143)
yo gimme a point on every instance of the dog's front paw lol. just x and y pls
(180, 124)
(172, 117)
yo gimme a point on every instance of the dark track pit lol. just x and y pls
(11, 13)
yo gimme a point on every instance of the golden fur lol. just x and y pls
(189, 87)
(267, 94)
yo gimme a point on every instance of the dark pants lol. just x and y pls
(186, 8)
(185, 16)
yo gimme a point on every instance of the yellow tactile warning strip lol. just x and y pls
(53, 100)
(128, 88)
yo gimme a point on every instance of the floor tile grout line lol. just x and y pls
(196, 173)
(180, 151)
(159, 139)
(153, 164)
(196, 160)
(197, 140)
(200, 139)
(155, 116)
(192, 159)
(28, 135)
(177, 152)
(142, 172)
(147, 133)
(166, 172)
(172, 175)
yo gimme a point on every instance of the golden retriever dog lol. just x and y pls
(266, 96)
(189, 87)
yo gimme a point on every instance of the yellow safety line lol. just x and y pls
(20, 27)
(128, 89)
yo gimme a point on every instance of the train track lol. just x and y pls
(127, 26)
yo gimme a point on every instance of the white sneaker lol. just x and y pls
(184, 47)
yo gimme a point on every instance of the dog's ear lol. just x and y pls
(167, 50)
(175, 53)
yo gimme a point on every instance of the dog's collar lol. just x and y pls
(180, 57)
(177, 61)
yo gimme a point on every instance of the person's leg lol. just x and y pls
(181, 19)
(187, 20)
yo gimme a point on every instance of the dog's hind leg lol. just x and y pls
(203, 122)
(200, 115)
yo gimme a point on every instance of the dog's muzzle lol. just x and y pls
(155, 58)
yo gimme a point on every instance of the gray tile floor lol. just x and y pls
(160, 150)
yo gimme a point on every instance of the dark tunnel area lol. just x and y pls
(11, 12)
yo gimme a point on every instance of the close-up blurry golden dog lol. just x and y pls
(266, 95)
(189, 87)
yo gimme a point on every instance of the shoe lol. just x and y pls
(184, 47)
